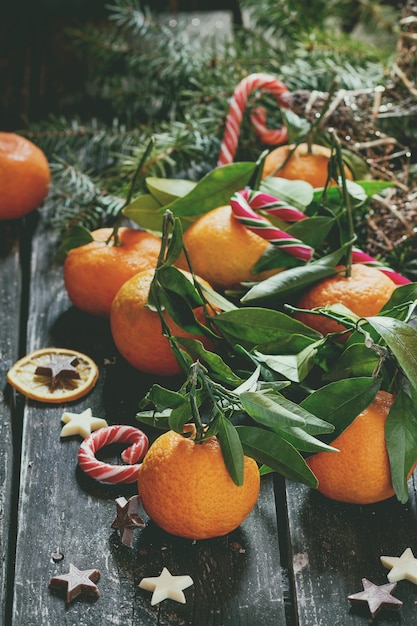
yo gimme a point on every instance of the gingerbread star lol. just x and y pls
(127, 519)
(76, 582)
(81, 423)
(402, 567)
(377, 597)
(166, 586)
(60, 367)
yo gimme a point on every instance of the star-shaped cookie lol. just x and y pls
(166, 586)
(81, 423)
(402, 567)
(377, 597)
(76, 582)
(127, 519)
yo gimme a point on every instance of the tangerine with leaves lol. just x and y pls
(24, 176)
(94, 272)
(137, 329)
(360, 472)
(306, 162)
(186, 489)
(364, 292)
(222, 250)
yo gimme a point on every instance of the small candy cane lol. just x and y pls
(243, 203)
(237, 107)
(105, 472)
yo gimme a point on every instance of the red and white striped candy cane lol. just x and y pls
(237, 107)
(244, 204)
(105, 472)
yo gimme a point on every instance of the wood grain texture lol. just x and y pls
(335, 545)
(238, 579)
(10, 301)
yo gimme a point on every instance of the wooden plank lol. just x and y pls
(335, 545)
(237, 579)
(10, 291)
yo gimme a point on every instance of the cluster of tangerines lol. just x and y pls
(111, 277)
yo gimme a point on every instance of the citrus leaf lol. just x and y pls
(303, 441)
(340, 402)
(356, 360)
(216, 299)
(217, 367)
(231, 449)
(294, 366)
(214, 190)
(271, 410)
(160, 396)
(401, 338)
(253, 326)
(175, 244)
(144, 211)
(155, 419)
(401, 440)
(172, 280)
(78, 236)
(294, 279)
(180, 416)
(297, 193)
(272, 450)
(180, 311)
(402, 295)
(165, 190)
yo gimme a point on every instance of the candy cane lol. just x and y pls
(242, 203)
(358, 256)
(272, 137)
(236, 109)
(105, 472)
(245, 202)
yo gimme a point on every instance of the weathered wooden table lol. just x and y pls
(294, 560)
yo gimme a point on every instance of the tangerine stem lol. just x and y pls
(346, 199)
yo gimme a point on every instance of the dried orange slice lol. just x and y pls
(53, 375)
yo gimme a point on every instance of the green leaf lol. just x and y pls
(269, 448)
(217, 367)
(172, 280)
(271, 410)
(293, 280)
(155, 419)
(297, 193)
(231, 449)
(77, 236)
(340, 402)
(216, 299)
(401, 440)
(401, 338)
(165, 190)
(180, 312)
(253, 326)
(294, 366)
(402, 295)
(176, 244)
(160, 396)
(180, 416)
(301, 440)
(214, 190)
(355, 360)
(144, 211)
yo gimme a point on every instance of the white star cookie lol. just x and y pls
(81, 423)
(402, 567)
(166, 586)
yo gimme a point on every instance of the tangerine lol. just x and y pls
(364, 292)
(222, 250)
(24, 176)
(137, 331)
(186, 489)
(94, 272)
(307, 162)
(360, 472)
